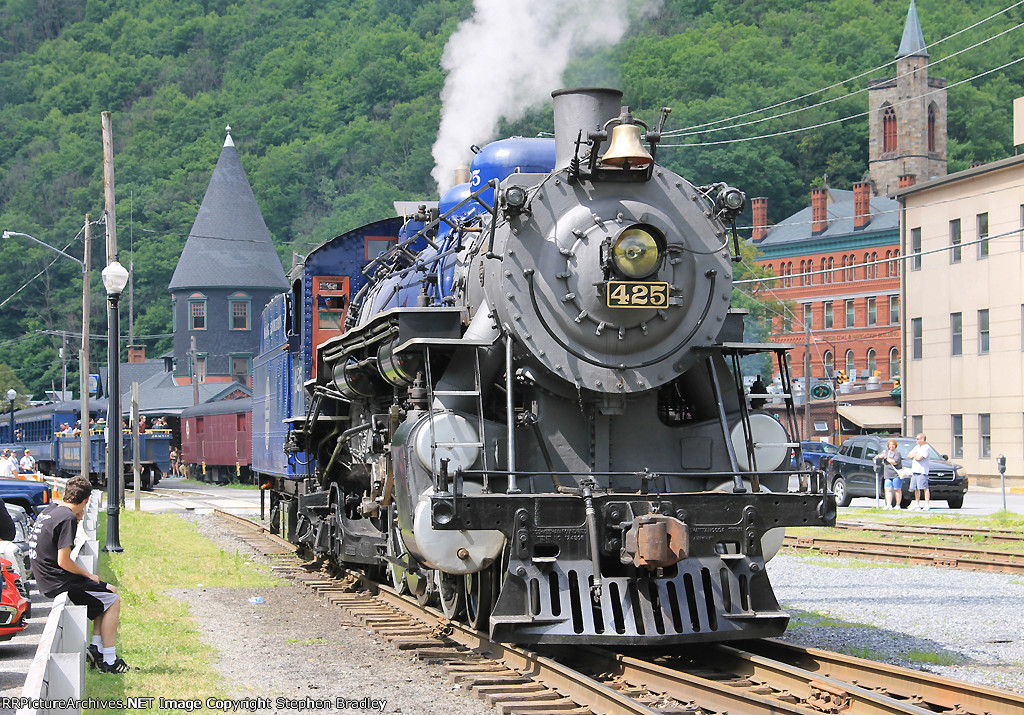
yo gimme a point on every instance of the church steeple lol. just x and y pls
(912, 43)
(907, 117)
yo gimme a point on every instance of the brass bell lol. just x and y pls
(625, 148)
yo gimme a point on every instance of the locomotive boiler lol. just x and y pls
(534, 410)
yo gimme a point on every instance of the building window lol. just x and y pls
(200, 374)
(174, 315)
(916, 342)
(787, 323)
(872, 267)
(894, 310)
(933, 113)
(830, 363)
(982, 235)
(809, 315)
(958, 436)
(872, 362)
(954, 241)
(851, 314)
(240, 369)
(915, 249)
(895, 271)
(238, 306)
(916, 424)
(888, 129)
(824, 274)
(197, 311)
(831, 270)
(851, 364)
(983, 331)
(872, 312)
(894, 363)
(956, 333)
(828, 316)
(984, 435)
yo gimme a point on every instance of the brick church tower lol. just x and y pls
(907, 118)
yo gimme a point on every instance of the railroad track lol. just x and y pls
(957, 557)
(1011, 536)
(751, 677)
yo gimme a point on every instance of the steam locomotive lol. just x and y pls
(527, 404)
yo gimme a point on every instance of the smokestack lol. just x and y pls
(136, 353)
(584, 108)
(760, 209)
(861, 205)
(907, 180)
(819, 207)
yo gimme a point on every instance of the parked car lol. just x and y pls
(816, 455)
(851, 472)
(14, 605)
(22, 529)
(31, 496)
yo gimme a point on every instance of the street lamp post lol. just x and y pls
(11, 394)
(115, 278)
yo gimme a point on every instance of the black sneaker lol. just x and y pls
(118, 666)
(93, 655)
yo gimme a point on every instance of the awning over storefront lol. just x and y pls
(877, 417)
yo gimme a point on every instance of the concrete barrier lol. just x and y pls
(58, 669)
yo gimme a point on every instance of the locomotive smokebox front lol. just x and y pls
(607, 280)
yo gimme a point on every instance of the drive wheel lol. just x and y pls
(481, 592)
(451, 593)
(839, 489)
(396, 550)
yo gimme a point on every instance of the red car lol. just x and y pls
(13, 602)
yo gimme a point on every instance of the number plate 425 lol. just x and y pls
(637, 294)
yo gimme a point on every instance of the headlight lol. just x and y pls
(961, 472)
(636, 253)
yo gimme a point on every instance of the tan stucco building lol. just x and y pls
(963, 312)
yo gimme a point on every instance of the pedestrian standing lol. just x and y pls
(28, 462)
(892, 462)
(919, 468)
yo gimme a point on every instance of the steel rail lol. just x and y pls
(1000, 535)
(935, 690)
(947, 556)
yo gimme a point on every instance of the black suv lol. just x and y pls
(851, 472)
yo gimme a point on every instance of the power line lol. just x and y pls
(843, 82)
(840, 120)
(683, 133)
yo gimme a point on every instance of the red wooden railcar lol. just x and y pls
(216, 441)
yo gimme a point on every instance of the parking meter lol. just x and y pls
(1001, 464)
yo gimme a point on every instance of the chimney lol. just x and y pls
(136, 353)
(907, 180)
(861, 205)
(760, 208)
(819, 207)
(584, 109)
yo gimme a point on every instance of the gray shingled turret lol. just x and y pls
(229, 245)
(913, 43)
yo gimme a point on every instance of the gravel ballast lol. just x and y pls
(296, 645)
(908, 614)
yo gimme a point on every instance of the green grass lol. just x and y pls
(156, 634)
(932, 657)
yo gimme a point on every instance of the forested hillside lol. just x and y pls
(334, 106)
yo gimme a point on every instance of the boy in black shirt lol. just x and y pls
(50, 547)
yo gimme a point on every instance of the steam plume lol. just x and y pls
(508, 57)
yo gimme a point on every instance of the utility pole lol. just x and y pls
(807, 382)
(192, 361)
(83, 354)
(115, 451)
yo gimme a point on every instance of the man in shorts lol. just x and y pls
(50, 544)
(919, 467)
